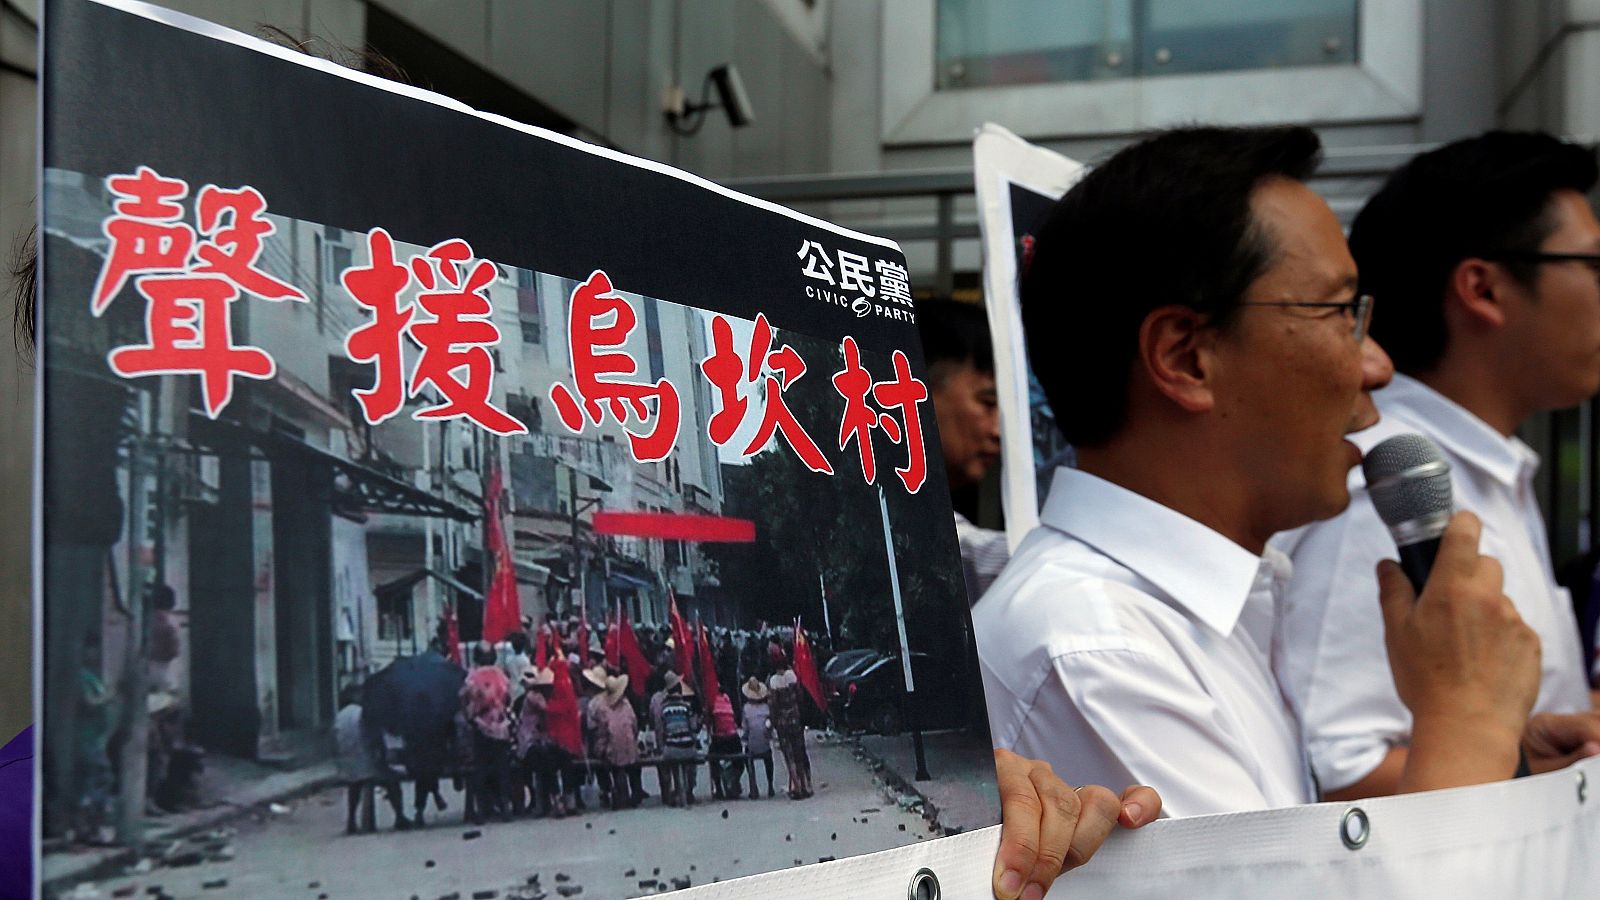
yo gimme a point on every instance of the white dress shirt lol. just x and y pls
(1127, 643)
(1336, 669)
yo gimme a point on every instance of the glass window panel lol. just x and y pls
(985, 43)
(1186, 36)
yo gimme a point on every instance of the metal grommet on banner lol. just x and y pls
(924, 886)
(1354, 828)
(1583, 788)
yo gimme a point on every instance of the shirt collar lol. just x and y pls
(1205, 573)
(1459, 432)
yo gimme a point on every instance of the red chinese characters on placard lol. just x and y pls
(146, 236)
(731, 373)
(232, 224)
(187, 286)
(599, 324)
(190, 334)
(854, 383)
(455, 358)
(377, 287)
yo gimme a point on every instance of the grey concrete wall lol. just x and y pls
(1551, 73)
(1462, 44)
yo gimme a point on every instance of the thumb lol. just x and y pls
(1394, 594)
(1555, 763)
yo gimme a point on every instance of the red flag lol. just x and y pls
(540, 651)
(682, 643)
(633, 658)
(452, 634)
(561, 714)
(613, 648)
(708, 668)
(805, 667)
(501, 610)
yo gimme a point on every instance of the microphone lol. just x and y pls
(1409, 482)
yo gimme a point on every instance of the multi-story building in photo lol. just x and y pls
(560, 479)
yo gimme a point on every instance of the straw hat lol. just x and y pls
(672, 680)
(533, 677)
(755, 690)
(596, 675)
(616, 685)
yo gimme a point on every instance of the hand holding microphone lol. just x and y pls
(1464, 662)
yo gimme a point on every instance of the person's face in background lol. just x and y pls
(1554, 323)
(968, 415)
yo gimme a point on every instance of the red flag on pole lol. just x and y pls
(540, 654)
(452, 634)
(805, 667)
(708, 667)
(633, 658)
(501, 610)
(612, 644)
(682, 643)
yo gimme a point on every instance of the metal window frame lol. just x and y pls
(1384, 85)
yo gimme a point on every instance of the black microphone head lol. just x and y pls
(1409, 481)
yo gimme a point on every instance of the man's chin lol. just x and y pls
(1336, 503)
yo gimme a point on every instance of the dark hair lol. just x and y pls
(363, 59)
(25, 286)
(483, 655)
(954, 333)
(518, 641)
(1164, 221)
(1473, 198)
(163, 597)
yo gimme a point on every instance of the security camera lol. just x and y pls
(730, 91)
(686, 118)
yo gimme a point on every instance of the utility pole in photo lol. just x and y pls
(905, 646)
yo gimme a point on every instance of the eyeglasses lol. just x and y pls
(1359, 310)
(1592, 260)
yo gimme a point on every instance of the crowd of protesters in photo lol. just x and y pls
(552, 721)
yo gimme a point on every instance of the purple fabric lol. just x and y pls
(16, 817)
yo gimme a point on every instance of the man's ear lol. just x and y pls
(1175, 351)
(1475, 290)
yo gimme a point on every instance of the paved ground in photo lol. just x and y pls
(304, 853)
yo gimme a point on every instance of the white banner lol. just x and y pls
(1527, 839)
(1016, 183)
